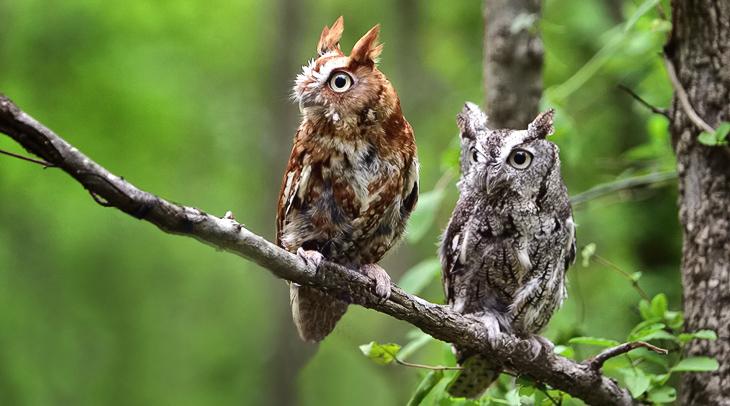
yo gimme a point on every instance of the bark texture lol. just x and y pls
(579, 379)
(513, 55)
(699, 50)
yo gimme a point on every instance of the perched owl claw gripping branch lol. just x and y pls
(352, 178)
(510, 240)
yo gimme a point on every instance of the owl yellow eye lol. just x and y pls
(340, 82)
(519, 159)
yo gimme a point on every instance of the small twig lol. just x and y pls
(621, 185)
(634, 283)
(431, 367)
(654, 109)
(597, 362)
(24, 158)
(684, 99)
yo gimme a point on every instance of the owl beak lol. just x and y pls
(492, 178)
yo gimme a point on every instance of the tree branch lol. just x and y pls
(684, 98)
(227, 234)
(651, 107)
(597, 362)
(621, 185)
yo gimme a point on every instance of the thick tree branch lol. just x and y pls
(579, 380)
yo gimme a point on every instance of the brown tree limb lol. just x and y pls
(227, 234)
(597, 362)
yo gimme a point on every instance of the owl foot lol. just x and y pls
(310, 257)
(537, 344)
(381, 279)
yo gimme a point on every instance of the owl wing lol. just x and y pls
(454, 247)
(293, 186)
(544, 291)
(409, 195)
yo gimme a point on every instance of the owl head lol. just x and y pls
(501, 163)
(341, 88)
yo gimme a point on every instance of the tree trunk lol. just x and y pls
(513, 55)
(699, 49)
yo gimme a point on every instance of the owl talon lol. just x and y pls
(381, 279)
(310, 257)
(537, 344)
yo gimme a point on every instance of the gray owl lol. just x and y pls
(511, 237)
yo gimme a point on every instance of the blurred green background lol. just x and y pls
(190, 100)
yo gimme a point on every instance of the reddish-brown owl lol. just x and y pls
(352, 178)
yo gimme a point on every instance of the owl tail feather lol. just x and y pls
(477, 374)
(315, 313)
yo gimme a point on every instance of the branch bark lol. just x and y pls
(578, 379)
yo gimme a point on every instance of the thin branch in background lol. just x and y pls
(654, 109)
(634, 282)
(684, 99)
(597, 362)
(621, 185)
(35, 161)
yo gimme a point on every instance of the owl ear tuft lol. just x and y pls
(542, 125)
(329, 40)
(367, 49)
(471, 120)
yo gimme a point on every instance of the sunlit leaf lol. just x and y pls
(665, 394)
(382, 354)
(696, 364)
(706, 138)
(659, 305)
(637, 382)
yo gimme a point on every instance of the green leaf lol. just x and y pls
(587, 253)
(645, 310)
(637, 382)
(382, 354)
(513, 397)
(665, 394)
(424, 214)
(705, 334)
(696, 364)
(657, 335)
(706, 138)
(600, 342)
(659, 305)
(564, 350)
(718, 137)
(636, 276)
(424, 388)
(722, 131)
(644, 329)
(420, 275)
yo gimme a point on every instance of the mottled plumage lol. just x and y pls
(511, 237)
(352, 178)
